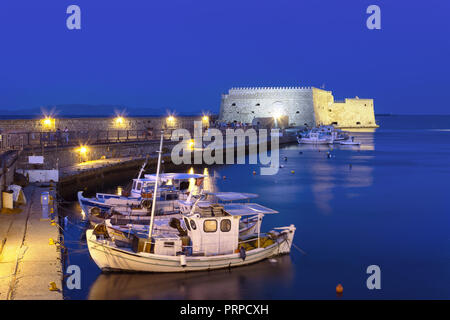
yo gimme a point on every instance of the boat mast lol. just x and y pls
(156, 189)
(143, 167)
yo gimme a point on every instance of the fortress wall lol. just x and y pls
(322, 101)
(247, 104)
(353, 113)
(93, 124)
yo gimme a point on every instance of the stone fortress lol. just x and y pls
(295, 106)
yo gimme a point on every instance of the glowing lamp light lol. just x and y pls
(277, 114)
(205, 118)
(48, 122)
(82, 150)
(119, 120)
(191, 144)
(170, 119)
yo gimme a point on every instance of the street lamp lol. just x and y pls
(119, 120)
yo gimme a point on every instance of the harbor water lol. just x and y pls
(384, 203)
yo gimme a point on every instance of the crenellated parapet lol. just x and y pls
(245, 90)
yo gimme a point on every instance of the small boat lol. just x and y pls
(314, 137)
(121, 226)
(212, 242)
(350, 142)
(173, 187)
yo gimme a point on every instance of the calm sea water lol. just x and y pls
(384, 203)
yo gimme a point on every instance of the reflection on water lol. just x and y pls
(219, 284)
(338, 166)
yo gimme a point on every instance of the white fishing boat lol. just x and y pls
(122, 226)
(212, 242)
(314, 137)
(350, 142)
(180, 182)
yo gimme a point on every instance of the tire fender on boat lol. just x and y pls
(242, 253)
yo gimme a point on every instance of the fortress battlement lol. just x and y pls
(243, 90)
(301, 106)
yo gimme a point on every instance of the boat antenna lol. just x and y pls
(143, 167)
(156, 188)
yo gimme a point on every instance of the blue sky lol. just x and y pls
(182, 54)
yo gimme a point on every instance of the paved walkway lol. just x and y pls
(27, 262)
(93, 164)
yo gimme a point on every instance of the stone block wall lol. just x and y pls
(351, 113)
(302, 105)
(248, 104)
(93, 124)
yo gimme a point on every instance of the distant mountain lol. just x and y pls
(86, 110)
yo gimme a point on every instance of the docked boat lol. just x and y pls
(314, 137)
(173, 187)
(122, 226)
(211, 242)
(350, 142)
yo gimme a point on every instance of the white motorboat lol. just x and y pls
(350, 142)
(314, 137)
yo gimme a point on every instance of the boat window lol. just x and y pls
(186, 222)
(210, 226)
(225, 225)
(184, 185)
(193, 225)
(139, 186)
(134, 184)
(171, 196)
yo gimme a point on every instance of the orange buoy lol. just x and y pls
(254, 172)
(224, 177)
(339, 289)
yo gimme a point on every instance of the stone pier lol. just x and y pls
(28, 263)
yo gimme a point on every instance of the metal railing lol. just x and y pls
(20, 140)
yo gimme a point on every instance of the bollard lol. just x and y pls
(52, 286)
(7, 202)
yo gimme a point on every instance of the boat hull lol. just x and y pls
(313, 141)
(111, 258)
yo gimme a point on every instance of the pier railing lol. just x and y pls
(21, 140)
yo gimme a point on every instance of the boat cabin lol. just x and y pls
(212, 230)
(180, 182)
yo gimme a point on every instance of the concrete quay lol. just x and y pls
(28, 263)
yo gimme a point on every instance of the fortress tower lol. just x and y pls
(299, 106)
